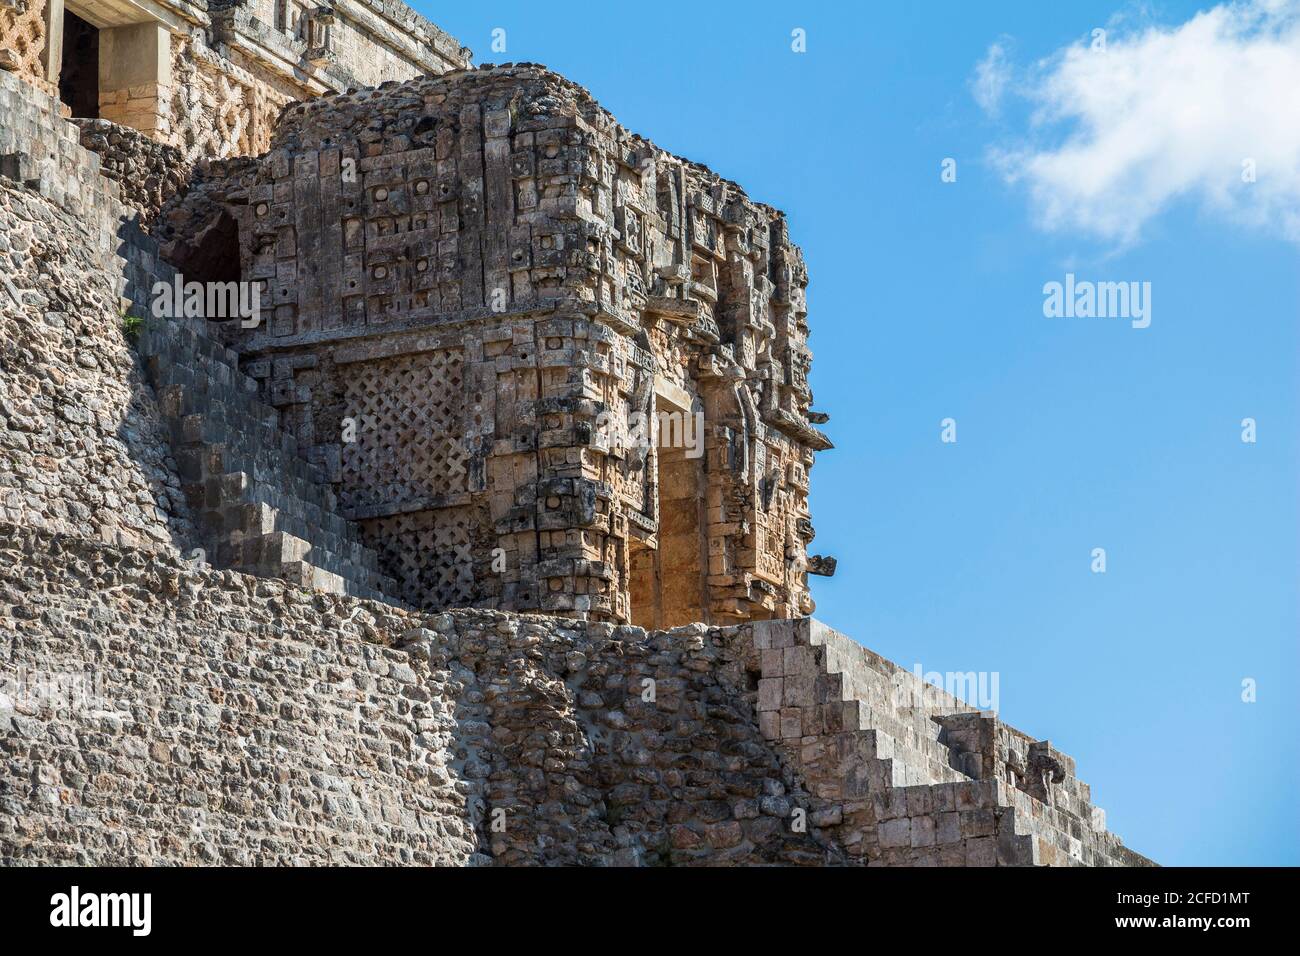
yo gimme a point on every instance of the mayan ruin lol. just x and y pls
(419, 462)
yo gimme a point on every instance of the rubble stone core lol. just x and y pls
(220, 718)
(519, 338)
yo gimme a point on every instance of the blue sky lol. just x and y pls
(926, 302)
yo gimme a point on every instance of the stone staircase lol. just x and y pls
(904, 738)
(819, 684)
(891, 778)
(265, 509)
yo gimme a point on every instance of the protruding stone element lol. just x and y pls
(210, 78)
(316, 31)
(823, 565)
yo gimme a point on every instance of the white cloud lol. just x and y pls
(992, 74)
(1160, 115)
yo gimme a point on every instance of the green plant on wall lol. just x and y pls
(131, 326)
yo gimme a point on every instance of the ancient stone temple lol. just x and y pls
(492, 507)
(545, 364)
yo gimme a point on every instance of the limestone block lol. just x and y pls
(895, 833)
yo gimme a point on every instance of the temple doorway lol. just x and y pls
(79, 74)
(668, 571)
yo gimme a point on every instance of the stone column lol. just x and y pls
(135, 76)
(52, 58)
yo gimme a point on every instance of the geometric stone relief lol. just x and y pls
(409, 413)
(429, 554)
(354, 242)
(22, 41)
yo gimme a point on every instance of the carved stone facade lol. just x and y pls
(547, 365)
(209, 77)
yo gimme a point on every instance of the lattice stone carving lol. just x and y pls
(409, 444)
(586, 276)
(215, 114)
(429, 554)
(22, 41)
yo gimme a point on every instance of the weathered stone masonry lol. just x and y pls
(209, 77)
(505, 281)
(83, 449)
(156, 713)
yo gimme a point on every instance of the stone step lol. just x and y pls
(248, 544)
(204, 389)
(160, 334)
(811, 691)
(295, 496)
(214, 361)
(234, 503)
(865, 715)
(345, 543)
(250, 446)
(267, 510)
(906, 745)
(225, 396)
(311, 577)
(850, 664)
(278, 548)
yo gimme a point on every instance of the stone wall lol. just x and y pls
(165, 715)
(209, 78)
(151, 712)
(217, 107)
(43, 152)
(149, 173)
(154, 713)
(363, 42)
(82, 447)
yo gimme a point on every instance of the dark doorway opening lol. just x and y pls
(210, 252)
(79, 77)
